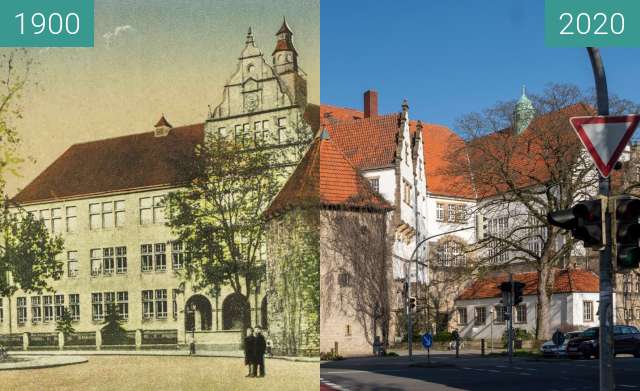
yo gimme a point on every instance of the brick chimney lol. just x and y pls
(370, 104)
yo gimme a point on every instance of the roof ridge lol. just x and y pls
(130, 135)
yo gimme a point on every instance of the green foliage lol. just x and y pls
(331, 356)
(443, 336)
(65, 324)
(518, 334)
(218, 216)
(112, 332)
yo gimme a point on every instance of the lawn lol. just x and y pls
(164, 373)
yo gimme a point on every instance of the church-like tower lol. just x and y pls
(523, 113)
(285, 64)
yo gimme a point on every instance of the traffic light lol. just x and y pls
(412, 304)
(584, 220)
(627, 232)
(518, 290)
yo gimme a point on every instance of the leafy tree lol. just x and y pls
(112, 332)
(218, 215)
(65, 324)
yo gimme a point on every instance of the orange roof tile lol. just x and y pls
(325, 178)
(566, 281)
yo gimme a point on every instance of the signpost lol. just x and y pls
(605, 137)
(427, 341)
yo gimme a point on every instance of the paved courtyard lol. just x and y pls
(164, 373)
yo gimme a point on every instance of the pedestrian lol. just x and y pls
(250, 352)
(558, 337)
(261, 347)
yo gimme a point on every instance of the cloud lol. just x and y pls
(110, 36)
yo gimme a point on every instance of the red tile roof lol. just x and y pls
(116, 164)
(566, 281)
(324, 177)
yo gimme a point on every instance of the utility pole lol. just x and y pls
(605, 309)
(409, 322)
(510, 320)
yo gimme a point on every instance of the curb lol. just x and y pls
(154, 354)
(78, 360)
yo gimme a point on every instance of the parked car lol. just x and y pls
(550, 349)
(626, 340)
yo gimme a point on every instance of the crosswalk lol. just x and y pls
(331, 386)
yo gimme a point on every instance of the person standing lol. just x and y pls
(250, 352)
(261, 347)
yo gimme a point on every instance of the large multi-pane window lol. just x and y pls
(59, 306)
(36, 309)
(96, 261)
(45, 217)
(152, 210)
(123, 304)
(118, 301)
(119, 213)
(451, 253)
(282, 129)
(500, 313)
(96, 307)
(178, 255)
(439, 212)
(47, 306)
(462, 315)
(375, 183)
(158, 210)
(161, 303)
(56, 220)
(497, 228)
(587, 311)
(74, 306)
(521, 313)
(95, 218)
(72, 222)
(72, 264)
(160, 256)
(106, 214)
(108, 261)
(480, 315)
(121, 260)
(21, 304)
(147, 304)
(146, 254)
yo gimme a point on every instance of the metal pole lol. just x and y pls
(409, 323)
(606, 288)
(491, 349)
(510, 322)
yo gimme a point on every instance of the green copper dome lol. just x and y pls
(523, 113)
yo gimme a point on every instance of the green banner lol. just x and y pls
(583, 23)
(46, 23)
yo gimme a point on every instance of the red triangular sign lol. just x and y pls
(605, 137)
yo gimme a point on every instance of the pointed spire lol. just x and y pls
(523, 113)
(249, 37)
(285, 27)
(405, 106)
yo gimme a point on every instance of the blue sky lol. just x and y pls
(449, 58)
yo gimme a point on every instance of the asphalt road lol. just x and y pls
(475, 373)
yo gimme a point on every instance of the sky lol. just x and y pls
(450, 58)
(150, 57)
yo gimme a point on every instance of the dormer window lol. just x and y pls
(162, 127)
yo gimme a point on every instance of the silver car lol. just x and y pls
(550, 349)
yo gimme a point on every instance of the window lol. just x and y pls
(56, 220)
(462, 315)
(480, 316)
(109, 302)
(96, 307)
(174, 303)
(407, 193)
(121, 260)
(74, 306)
(21, 304)
(147, 304)
(439, 212)
(59, 306)
(500, 313)
(160, 256)
(96, 262)
(72, 264)
(45, 217)
(107, 215)
(282, 127)
(451, 253)
(146, 214)
(95, 220)
(108, 263)
(521, 313)
(120, 216)
(36, 309)
(123, 304)
(47, 304)
(161, 303)
(587, 311)
(628, 314)
(627, 287)
(177, 255)
(146, 251)
(344, 279)
(497, 228)
(375, 184)
(637, 312)
(457, 213)
(72, 224)
(158, 210)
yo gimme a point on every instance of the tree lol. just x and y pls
(218, 215)
(112, 332)
(65, 324)
(520, 177)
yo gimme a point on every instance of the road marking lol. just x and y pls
(494, 371)
(524, 373)
(333, 385)
(627, 386)
(360, 371)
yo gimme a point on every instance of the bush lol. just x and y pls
(391, 354)
(443, 336)
(518, 335)
(331, 356)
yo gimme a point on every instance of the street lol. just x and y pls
(474, 373)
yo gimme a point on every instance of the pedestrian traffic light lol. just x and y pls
(412, 303)
(518, 290)
(584, 220)
(627, 232)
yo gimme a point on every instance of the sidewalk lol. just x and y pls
(168, 353)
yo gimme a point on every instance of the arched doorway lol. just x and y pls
(197, 313)
(235, 312)
(263, 313)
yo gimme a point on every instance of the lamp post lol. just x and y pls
(191, 310)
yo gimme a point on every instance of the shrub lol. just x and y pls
(518, 335)
(331, 356)
(443, 336)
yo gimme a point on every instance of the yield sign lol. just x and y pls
(605, 137)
